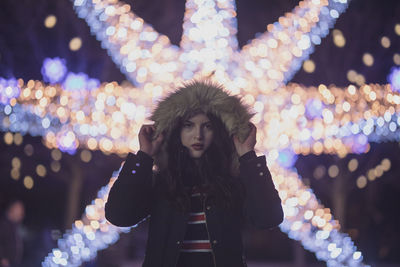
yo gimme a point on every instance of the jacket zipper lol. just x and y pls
(205, 215)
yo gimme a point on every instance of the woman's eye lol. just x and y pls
(209, 126)
(187, 125)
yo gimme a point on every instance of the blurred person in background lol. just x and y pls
(11, 244)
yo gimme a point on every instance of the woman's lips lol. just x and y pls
(197, 147)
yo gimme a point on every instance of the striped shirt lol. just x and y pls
(196, 247)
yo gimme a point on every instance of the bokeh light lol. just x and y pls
(50, 21)
(75, 44)
(309, 66)
(396, 59)
(28, 149)
(28, 182)
(368, 59)
(41, 170)
(332, 123)
(54, 70)
(394, 79)
(397, 29)
(338, 38)
(385, 42)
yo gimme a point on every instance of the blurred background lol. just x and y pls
(55, 187)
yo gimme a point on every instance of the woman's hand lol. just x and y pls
(248, 144)
(146, 142)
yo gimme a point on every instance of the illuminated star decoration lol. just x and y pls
(338, 121)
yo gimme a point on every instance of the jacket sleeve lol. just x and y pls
(262, 203)
(130, 198)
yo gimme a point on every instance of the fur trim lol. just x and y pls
(204, 96)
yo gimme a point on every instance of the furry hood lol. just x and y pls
(203, 96)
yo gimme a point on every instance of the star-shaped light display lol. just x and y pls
(291, 119)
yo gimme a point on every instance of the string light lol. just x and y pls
(373, 173)
(348, 129)
(259, 70)
(88, 235)
(209, 44)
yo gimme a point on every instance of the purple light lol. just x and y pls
(360, 144)
(287, 158)
(80, 81)
(92, 84)
(53, 70)
(66, 142)
(8, 89)
(75, 81)
(394, 79)
(314, 108)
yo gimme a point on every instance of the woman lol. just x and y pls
(208, 181)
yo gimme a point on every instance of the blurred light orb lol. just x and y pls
(368, 59)
(15, 174)
(8, 138)
(55, 166)
(396, 59)
(394, 79)
(41, 170)
(92, 84)
(286, 158)
(351, 75)
(353, 165)
(386, 164)
(56, 154)
(28, 182)
(397, 29)
(75, 44)
(67, 142)
(50, 21)
(338, 38)
(385, 42)
(9, 89)
(314, 108)
(360, 144)
(53, 70)
(18, 139)
(309, 66)
(28, 149)
(333, 171)
(16, 163)
(75, 81)
(319, 172)
(86, 155)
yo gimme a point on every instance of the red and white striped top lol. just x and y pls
(196, 237)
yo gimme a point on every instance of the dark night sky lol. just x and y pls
(25, 42)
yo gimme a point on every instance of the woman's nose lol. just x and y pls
(199, 133)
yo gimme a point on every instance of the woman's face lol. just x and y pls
(197, 134)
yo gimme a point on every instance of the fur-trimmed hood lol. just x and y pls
(203, 96)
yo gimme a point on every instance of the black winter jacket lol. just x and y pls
(133, 198)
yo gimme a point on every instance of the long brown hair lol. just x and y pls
(214, 169)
